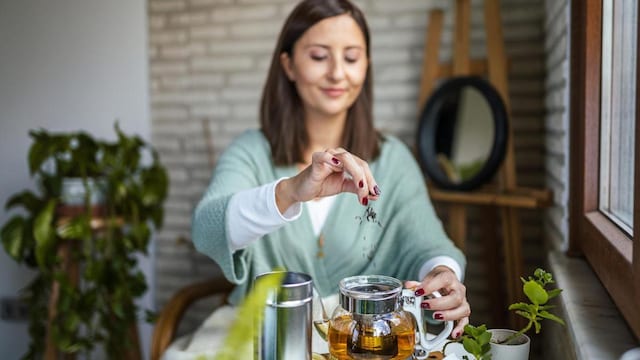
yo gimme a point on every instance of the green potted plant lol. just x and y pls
(507, 344)
(100, 201)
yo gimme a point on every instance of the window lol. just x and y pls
(617, 111)
(604, 171)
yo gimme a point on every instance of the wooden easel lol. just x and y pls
(508, 196)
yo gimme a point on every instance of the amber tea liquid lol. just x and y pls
(347, 342)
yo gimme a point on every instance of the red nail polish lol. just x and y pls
(425, 306)
(419, 292)
(365, 201)
(361, 184)
(438, 316)
(335, 161)
(376, 189)
(456, 335)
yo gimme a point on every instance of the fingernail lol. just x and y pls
(376, 189)
(456, 335)
(361, 184)
(335, 161)
(425, 305)
(438, 316)
(365, 201)
(419, 292)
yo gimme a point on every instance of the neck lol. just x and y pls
(324, 133)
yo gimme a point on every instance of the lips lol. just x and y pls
(334, 92)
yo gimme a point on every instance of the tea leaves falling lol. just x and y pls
(369, 249)
(369, 215)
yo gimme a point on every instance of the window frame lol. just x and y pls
(609, 250)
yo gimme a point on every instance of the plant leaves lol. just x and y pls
(39, 151)
(239, 339)
(535, 292)
(12, 238)
(477, 341)
(521, 306)
(76, 228)
(484, 338)
(550, 316)
(26, 199)
(44, 233)
(554, 292)
(472, 347)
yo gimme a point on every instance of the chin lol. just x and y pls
(336, 109)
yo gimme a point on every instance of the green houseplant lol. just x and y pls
(486, 344)
(99, 308)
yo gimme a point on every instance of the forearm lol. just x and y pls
(254, 213)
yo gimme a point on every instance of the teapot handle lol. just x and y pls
(411, 303)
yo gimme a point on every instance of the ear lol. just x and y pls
(287, 66)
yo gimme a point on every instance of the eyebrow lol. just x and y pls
(328, 47)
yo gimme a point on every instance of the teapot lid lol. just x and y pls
(370, 294)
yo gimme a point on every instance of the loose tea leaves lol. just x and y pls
(369, 215)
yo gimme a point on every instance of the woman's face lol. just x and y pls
(329, 66)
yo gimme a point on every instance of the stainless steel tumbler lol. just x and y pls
(285, 333)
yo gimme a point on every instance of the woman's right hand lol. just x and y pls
(331, 172)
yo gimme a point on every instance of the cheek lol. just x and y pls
(357, 74)
(310, 73)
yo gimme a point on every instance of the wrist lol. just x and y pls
(285, 195)
(442, 268)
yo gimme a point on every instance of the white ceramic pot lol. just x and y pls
(73, 191)
(517, 350)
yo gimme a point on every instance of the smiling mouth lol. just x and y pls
(334, 92)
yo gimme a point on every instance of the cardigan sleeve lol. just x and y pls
(237, 169)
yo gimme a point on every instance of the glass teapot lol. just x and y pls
(378, 319)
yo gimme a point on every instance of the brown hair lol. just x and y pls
(281, 111)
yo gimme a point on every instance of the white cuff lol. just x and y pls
(253, 213)
(292, 213)
(440, 261)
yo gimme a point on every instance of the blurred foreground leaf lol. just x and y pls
(239, 341)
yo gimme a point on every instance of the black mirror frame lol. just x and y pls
(430, 118)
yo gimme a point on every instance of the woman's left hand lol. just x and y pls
(452, 305)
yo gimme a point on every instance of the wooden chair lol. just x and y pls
(172, 313)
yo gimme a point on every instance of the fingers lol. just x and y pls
(440, 278)
(364, 184)
(454, 293)
(458, 330)
(410, 284)
(452, 305)
(327, 162)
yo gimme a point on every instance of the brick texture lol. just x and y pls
(556, 45)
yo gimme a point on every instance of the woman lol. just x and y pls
(317, 189)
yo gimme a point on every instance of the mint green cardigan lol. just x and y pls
(404, 234)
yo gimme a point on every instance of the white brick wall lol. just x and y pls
(556, 45)
(208, 61)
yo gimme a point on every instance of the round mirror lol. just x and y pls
(463, 133)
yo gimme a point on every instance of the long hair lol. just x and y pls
(281, 109)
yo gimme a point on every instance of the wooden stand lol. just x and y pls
(507, 196)
(71, 267)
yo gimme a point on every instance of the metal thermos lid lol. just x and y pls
(296, 290)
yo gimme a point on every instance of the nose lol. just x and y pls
(336, 72)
